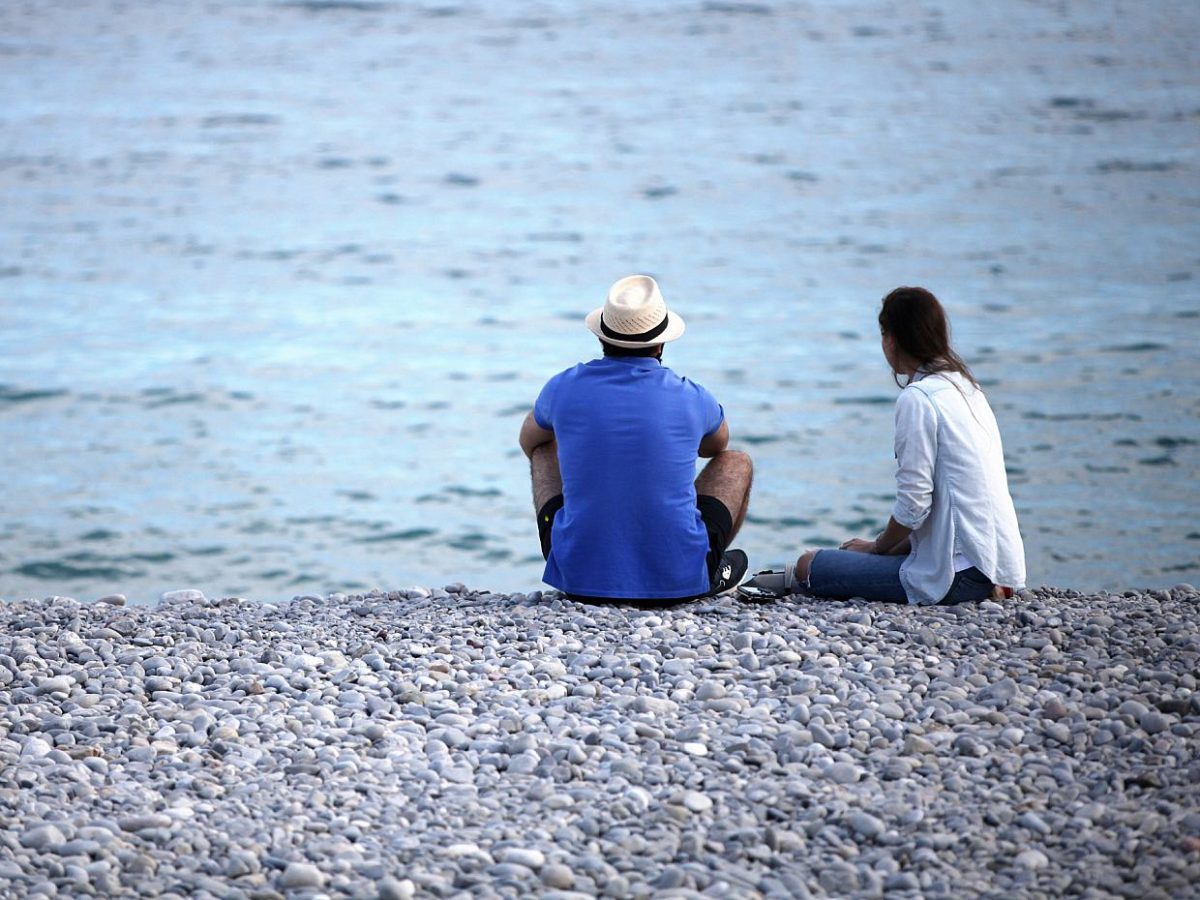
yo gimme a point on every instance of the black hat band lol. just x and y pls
(644, 337)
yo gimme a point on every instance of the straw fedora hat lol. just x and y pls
(635, 315)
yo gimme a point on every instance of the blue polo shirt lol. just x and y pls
(628, 430)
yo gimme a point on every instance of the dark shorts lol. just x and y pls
(718, 522)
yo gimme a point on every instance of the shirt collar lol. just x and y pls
(638, 362)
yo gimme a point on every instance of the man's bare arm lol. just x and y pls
(533, 435)
(712, 444)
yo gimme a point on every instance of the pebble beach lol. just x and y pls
(454, 742)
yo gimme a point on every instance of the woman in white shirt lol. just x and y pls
(952, 535)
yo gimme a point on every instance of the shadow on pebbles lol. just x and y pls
(451, 741)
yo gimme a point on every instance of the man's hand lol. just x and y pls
(533, 435)
(860, 545)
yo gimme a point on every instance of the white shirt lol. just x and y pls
(952, 489)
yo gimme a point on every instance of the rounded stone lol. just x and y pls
(35, 748)
(186, 595)
(58, 684)
(1033, 822)
(1153, 722)
(710, 690)
(1032, 858)
(843, 773)
(397, 889)
(697, 802)
(866, 825)
(558, 876)
(300, 875)
(530, 858)
(42, 837)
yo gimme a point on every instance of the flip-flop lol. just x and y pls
(772, 582)
(756, 594)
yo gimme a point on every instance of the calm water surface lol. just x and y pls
(278, 281)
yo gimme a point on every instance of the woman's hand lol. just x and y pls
(860, 545)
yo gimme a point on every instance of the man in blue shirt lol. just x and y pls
(613, 444)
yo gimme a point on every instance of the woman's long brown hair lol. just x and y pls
(919, 326)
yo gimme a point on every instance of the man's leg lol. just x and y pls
(728, 477)
(547, 491)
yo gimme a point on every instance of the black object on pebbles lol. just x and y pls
(446, 741)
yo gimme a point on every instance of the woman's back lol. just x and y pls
(970, 515)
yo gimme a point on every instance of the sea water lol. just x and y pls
(280, 280)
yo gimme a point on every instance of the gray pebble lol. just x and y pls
(396, 888)
(301, 875)
(530, 858)
(183, 596)
(1031, 858)
(1153, 722)
(142, 821)
(843, 773)
(697, 802)
(42, 837)
(57, 684)
(558, 876)
(1033, 822)
(866, 825)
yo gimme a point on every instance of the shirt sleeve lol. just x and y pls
(916, 454)
(712, 411)
(543, 407)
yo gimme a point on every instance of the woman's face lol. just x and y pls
(901, 363)
(889, 349)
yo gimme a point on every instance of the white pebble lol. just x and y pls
(529, 858)
(1032, 859)
(302, 875)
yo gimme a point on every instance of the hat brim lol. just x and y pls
(674, 329)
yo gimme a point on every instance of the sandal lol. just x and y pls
(769, 584)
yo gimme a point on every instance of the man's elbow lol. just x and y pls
(526, 439)
(712, 444)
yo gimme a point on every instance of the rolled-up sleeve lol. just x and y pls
(916, 453)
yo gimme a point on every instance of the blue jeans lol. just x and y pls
(842, 574)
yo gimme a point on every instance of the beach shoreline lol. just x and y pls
(437, 742)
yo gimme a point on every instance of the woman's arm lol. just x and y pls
(916, 455)
(892, 541)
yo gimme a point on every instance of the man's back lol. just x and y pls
(628, 429)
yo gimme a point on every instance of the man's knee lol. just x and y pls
(740, 462)
(736, 469)
(732, 464)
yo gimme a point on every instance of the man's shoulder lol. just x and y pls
(566, 374)
(692, 385)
